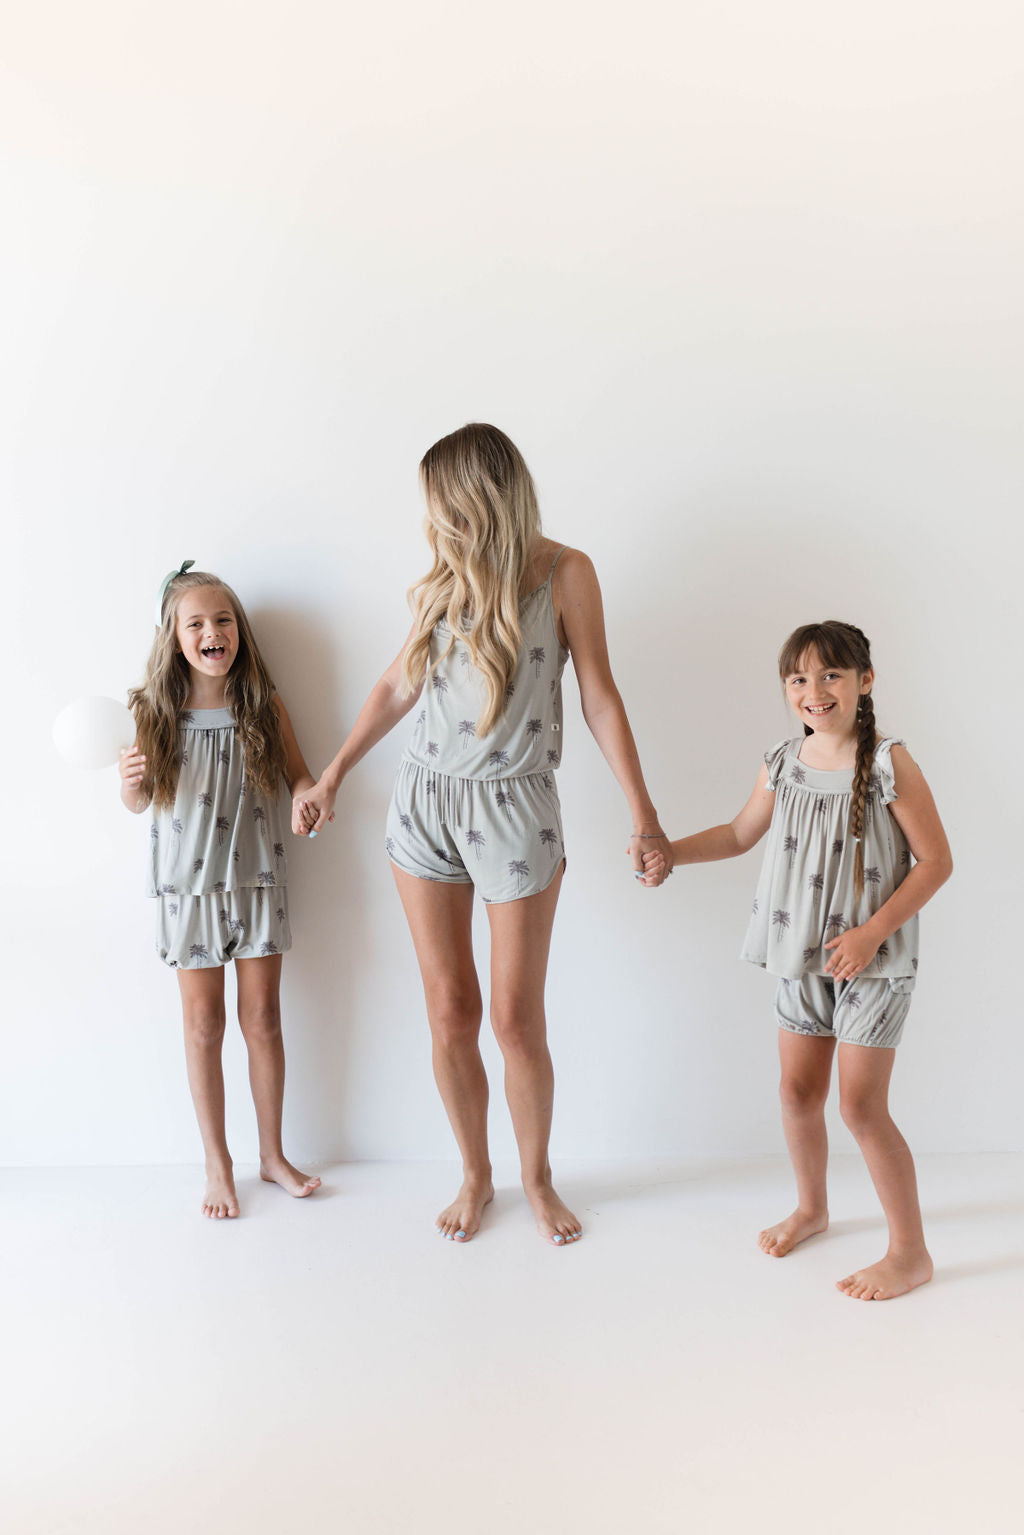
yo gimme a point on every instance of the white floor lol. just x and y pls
(333, 1365)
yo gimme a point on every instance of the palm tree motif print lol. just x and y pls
(756, 907)
(197, 866)
(184, 759)
(389, 846)
(835, 923)
(535, 727)
(506, 799)
(219, 888)
(821, 804)
(266, 878)
(546, 780)
(809, 954)
(519, 867)
(279, 914)
(476, 839)
(816, 884)
(837, 847)
(154, 831)
(439, 684)
(421, 718)
(498, 759)
(172, 907)
(510, 688)
(905, 856)
(199, 951)
(789, 845)
(798, 775)
(552, 758)
(236, 856)
(278, 854)
(914, 963)
(259, 815)
(268, 948)
(464, 657)
(453, 863)
(853, 999)
(537, 657)
(872, 876)
(405, 822)
(549, 837)
(223, 827)
(780, 919)
(552, 686)
(205, 801)
(177, 828)
(430, 787)
(224, 756)
(467, 729)
(433, 750)
(185, 717)
(882, 955)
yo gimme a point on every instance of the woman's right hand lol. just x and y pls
(313, 809)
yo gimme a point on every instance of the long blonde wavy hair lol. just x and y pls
(160, 701)
(482, 521)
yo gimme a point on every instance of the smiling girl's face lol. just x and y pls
(826, 697)
(207, 631)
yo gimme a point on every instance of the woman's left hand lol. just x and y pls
(854, 951)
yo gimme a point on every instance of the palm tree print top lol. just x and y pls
(215, 838)
(805, 894)
(527, 737)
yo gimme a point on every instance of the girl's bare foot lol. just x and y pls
(462, 1218)
(893, 1276)
(277, 1170)
(555, 1221)
(778, 1240)
(220, 1202)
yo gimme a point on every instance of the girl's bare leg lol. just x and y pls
(806, 1069)
(259, 1016)
(864, 1073)
(520, 941)
(202, 1006)
(440, 919)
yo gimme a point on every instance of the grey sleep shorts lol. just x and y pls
(199, 932)
(869, 1010)
(503, 835)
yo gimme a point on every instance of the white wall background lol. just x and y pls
(743, 281)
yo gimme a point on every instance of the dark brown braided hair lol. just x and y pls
(847, 648)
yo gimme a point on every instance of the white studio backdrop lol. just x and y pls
(742, 281)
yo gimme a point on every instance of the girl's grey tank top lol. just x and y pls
(528, 736)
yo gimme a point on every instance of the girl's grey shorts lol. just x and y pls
(199, 932)
(869, 1010)
(503, 835)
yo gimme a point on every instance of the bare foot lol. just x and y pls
(555, 1221)
(461, 1220)
(277, 1170)
(220, 1202)
(778, 1240)
(891, 1277)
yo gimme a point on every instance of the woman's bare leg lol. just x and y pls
(259, 1017)
(806, 1064)
(520, 942)
(864, 1073)
(440, 920)
(202, 1006)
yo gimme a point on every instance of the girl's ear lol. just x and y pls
(867, 680)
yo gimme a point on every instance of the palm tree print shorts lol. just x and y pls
(199, 932)
(869, 1010)
(503, 835)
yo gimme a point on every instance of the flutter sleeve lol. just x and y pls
(774, 761)
(884, 775)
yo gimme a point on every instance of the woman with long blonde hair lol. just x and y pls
(475, 805)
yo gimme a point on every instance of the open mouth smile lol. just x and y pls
(212, 652)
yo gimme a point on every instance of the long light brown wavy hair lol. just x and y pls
(847, 648)
(482, 520)
(160, 701)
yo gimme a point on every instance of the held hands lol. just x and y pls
(854, 951)
(132, 766)
(312, 810)
(652, 858)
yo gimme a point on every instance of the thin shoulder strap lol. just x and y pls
(555, 561)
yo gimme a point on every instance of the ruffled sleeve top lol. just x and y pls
(805, 895)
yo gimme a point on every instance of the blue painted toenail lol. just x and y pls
(460, 1234)
(559, 1239)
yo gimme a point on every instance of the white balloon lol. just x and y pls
(92, 732)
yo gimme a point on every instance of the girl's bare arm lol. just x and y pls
(734, 837)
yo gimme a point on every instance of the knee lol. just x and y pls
(516, 1029)
(455, 1017)
(799, 1096)
(205, 1027)
(260, 1023)
(861, 1112)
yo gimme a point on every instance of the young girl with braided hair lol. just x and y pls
(855, 849)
